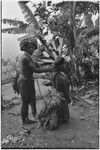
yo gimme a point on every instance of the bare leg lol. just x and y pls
(23, 88)
(25, 98)
(33, 106)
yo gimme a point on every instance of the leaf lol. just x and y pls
(32, 30)
(97, 22)
(23, 38)
(92, 32)
(46, 47)
(88, 101)
(81, 23)
(30, 18)
(63, 19)
(41, 23)
(49, 3)
(45, 33)
(89, 30)
(14, 30)
(26, 38)
(13, 22)
(60, 4)
(80, 30)
(88, 20)
(95, 39)
(44, 4)
(82, 7)
(24, 2)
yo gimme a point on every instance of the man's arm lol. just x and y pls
(44, 69)
(39, 69)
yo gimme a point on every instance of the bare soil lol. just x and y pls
(82, 130)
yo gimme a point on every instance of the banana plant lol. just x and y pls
(76, 31)
(67, 25)
(20, 27)
(31, 28)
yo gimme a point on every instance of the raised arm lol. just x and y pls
(37, 68)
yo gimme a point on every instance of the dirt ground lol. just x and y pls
(82, 130)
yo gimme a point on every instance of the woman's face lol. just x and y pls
(30, 49)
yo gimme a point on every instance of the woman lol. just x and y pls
(55, 109)
(25, 82)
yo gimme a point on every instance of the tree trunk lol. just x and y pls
(77, 72)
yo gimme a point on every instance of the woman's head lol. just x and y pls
(28, 46)
(59, 63)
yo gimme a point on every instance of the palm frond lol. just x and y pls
(17, 30)
(13, 22)
(29, 16)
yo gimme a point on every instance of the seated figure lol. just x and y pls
(55, 109)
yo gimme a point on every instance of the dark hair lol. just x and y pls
(59, 62)
(24, 47)
(57, 42)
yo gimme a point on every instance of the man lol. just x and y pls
(25, 82)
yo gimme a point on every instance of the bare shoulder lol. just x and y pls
(24, 58)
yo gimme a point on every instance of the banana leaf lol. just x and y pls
(13, 22)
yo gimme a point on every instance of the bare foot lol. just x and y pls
(39, 125)
(28, 121)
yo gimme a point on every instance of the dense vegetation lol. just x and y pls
(64, 29)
